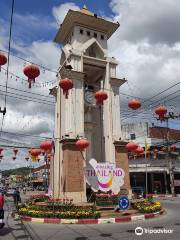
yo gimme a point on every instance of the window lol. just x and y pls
(132, 136)
(88, 33)
(81, 31)
(95, 35)
(102, 37)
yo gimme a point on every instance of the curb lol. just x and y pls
(93, 221)
(164, 196)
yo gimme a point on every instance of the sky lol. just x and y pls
(147, 46)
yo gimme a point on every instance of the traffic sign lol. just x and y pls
(123, 203)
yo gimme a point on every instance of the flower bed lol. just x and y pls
(59, 214)
(147, 206)
(56, 208)
(106, 199)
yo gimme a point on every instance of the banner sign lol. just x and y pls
(104, 176)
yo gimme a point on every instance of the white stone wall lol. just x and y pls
(77, 39)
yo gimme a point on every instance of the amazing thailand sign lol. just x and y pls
(104, 176)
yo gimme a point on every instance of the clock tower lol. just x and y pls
(84, 60)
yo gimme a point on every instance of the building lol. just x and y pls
(160, 167)
(40, 176)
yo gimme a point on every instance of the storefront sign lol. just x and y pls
(104, 176)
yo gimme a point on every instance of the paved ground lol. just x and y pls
(122, 231)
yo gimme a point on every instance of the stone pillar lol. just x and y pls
(121, 160)
(73, 182)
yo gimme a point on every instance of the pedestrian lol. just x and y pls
(1, 210)
(24, 190)
(16, 196)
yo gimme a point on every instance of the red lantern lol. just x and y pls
(161, 111)
(1, 149)
(134, 104)
(139, 150)
(46, 146)
(3, 59)
(66, 84)
(35, 152)
(131, 146)
(82, 144)
(15, 151)
(100, 97)
(32, 72)
(1, 157)
(14, 158)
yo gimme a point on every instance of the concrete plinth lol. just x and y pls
(72, 180)
(121, 159)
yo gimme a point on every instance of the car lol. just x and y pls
(10, 192)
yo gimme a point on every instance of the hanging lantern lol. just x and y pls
(3, 59)
(139, 150)
(15, 151)
(82, 144)
(35, 152)
(46, 146)
(66, 84)
(1, 157)
(27, 158)
(32, 72)
(134, 104)
(161, 111)
(14, 158)
(131, 146)
(1, 149)
(100, 96)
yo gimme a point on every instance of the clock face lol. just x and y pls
(89, 97)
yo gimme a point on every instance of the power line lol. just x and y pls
(30, 100)
(29, 97)
(41, 66)
(25, 80)
(26, 134)
(153, 104)
(47, 96)
(9, 49)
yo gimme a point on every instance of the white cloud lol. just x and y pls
(147, 47)
(60, 12)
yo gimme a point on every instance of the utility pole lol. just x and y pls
(171, 171)
(169, 115)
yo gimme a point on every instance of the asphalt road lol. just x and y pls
(124, 231)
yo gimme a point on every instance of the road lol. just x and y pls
(124, 231)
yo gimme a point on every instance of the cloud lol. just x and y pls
(143, 20)
(147, 47)
(60, 12)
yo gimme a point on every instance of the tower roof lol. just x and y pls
(84, 18)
